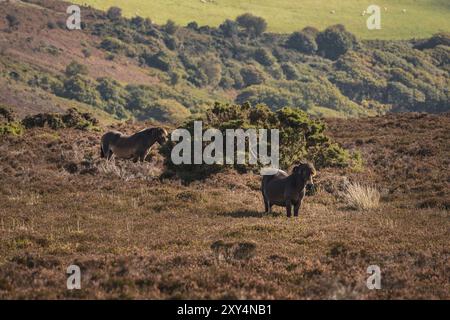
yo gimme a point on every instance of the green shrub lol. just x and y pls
(170, 42)
(6, 114)
(114, 13)
(160, 60)
(302, 42)
(81, 89)
(212, 69)
(261, 94)
(86, 52)
(442, 38)
(334, 41)
(113, 45)
(13, 21)
(254, 26)
(8, 124)
(229, 28)
(167, 111)
(170, 27)
(290, 72)
(264, 57)
(74, 68)
(252, 75)
(71, 119)
(11, 128)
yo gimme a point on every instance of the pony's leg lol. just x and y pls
(266, 204)
(142, 156)
(297, 208)
(288, 208)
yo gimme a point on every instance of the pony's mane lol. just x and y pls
(147, 130)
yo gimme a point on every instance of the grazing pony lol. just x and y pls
(134, 147)
(286, 190)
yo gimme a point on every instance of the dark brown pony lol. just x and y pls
(286, 190)
(134, 147)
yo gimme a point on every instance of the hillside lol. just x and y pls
(132, 68)
(136, 236)
(286, 16)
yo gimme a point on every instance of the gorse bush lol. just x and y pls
(335, 41)
(254, 26)
(74, 68)
(8, 123)
(114, 13)
(303, 42)
(301, 137)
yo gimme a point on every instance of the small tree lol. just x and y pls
(255, 26)
(334, 41)
(170, 27)
(114, 13)
(303, 42)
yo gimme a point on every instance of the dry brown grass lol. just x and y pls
(361, 197)
(146, 238)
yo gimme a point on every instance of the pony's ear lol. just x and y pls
(303, 169)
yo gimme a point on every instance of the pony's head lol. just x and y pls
(160, 135)
(305, 171)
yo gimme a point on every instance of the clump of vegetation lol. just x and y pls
(13, 21)
(170, 27)
(253, 25)
(72, 119)
(74, 68)
(334, 41)
(302, 41)
(301, 137)
(361, 197)
(8, 123)
(114, 13)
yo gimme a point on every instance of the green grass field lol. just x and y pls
(421, 19)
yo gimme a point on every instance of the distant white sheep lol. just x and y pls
(404, 10)
(332, 11)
